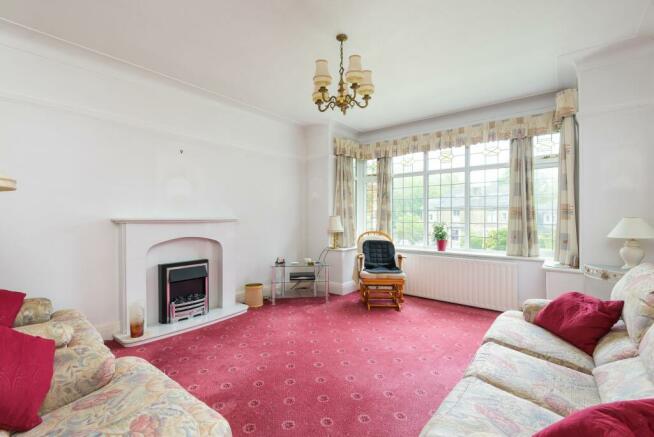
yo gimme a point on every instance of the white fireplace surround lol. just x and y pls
(137, 236)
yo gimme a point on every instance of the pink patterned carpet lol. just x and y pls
(303, 368)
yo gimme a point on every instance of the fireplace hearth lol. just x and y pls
(183, 290)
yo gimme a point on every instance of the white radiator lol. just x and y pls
(475, 282)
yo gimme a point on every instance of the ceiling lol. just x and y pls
(428, 57)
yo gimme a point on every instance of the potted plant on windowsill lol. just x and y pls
(440, 235)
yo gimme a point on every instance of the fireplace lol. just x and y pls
(183, 290)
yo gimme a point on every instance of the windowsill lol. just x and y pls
(552, 266)
(470, 254)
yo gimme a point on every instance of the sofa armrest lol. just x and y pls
(531, 307)
(34, 310)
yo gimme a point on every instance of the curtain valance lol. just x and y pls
(511, 128)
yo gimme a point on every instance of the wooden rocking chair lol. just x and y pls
(381, 279)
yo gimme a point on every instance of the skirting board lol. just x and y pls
(343, 288)
(107, 330)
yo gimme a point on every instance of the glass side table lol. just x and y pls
(287, 279)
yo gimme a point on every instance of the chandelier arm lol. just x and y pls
(364, 105)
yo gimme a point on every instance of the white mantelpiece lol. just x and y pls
(137, 236)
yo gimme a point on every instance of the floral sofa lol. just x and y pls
(523, 378)
(93, 393)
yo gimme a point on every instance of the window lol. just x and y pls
(546, 178)
(467, 188)
(408, 200)
(371, 194)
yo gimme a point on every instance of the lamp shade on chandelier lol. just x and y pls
(359, 92)
(7, 183)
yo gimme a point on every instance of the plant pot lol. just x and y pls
(441, 245)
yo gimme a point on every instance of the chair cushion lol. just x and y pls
(10, 303)
(367, 274)
(379, 256)
(516, 333)
(623, 419)
(579, 319)
(475, 408)
(140, 400)
(557, 388)
(616, 345)
(25, 374)
(623, 380)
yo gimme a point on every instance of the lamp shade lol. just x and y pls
(335, 224)
(366, 87)
(632, 228)
(7, 183)
(322, 76)
(354, 74)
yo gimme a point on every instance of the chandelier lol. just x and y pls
(360, 83)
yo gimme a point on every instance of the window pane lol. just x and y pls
(446, 201)
(371, 204)
(545, 199)
(488, 206)
(371, 167)
(445, 159)
(546, 145)
(408, 207)
(408, 163)
(495, 152)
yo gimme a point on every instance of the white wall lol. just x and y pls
(88, 139)
(616, 119)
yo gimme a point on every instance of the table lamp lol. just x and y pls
(335, 227)
(632, 229)
(7, 183)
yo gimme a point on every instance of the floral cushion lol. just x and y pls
(60, 332)
(636, 288)
(139, 401)
(646, 352)
(614, 346)
(623, 380)
(475, 408)
(82, 367)
(557, 388)
(83, 331)
(34, 310)
(531, 307)
(516, 333)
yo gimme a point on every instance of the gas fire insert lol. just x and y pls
(183, 290)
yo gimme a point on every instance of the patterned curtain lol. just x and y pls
(522, 238)
(566, 248)
(384, 191)
(344, 198)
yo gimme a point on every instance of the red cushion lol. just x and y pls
(10, 303)
(616, 419)
(580, 319)
(26, 367)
